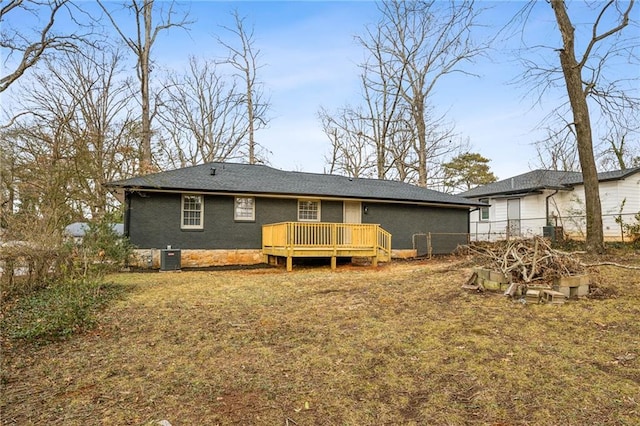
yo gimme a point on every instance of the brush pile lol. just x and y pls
(524, 260)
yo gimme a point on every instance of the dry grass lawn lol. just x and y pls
(400, 344)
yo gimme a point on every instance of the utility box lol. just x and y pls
(170, 260)
(554, 233)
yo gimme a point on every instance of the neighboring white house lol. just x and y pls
(543, 201)
(77, 230)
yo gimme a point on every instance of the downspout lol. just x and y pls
(127, 212)
(469, 219)
(547, 206)
(469, 225)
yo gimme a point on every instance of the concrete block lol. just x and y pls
(583, 290)
(572, 292)
(572, 280)
(498, 276)
(532, 296)
(553, 297)
(482, 273)
(572, 286)
(491, 285)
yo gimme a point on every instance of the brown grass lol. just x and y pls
(401, 344)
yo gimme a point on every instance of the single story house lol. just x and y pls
(550, 201)
(229, 213)
(77, 230)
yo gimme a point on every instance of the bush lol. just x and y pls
(633, 230)
(57, 311)
(38, 264)
(102, 250)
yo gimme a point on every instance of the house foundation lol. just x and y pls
(191, 258)
(196, 258)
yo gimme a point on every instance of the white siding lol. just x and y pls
(567, 207)
(629, 188)
(571, 212)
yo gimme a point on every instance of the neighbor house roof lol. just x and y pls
(255, 179)
(79, 229)
(538, 180)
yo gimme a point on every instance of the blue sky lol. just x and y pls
(311, 60)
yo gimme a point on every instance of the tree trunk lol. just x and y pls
(251, 117)
(578, 100)
(421, 134)
(145, 144)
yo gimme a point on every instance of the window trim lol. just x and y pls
(306, 200)
(182, 211)
(484, 209)
(243, 218)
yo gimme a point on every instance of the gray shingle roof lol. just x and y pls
(541, 179)
(259, 179)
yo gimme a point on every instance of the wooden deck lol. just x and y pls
(321, 239)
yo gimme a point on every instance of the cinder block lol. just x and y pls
(583, 290)
(564, 290)
(553, 297)
(498, 277)
(491, 285)
(572, 281)
(482, 273)
(574, 291)
(532, 296)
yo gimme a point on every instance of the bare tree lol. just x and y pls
(351, 152)
(29, 41)
(558, 150)
(594, 56)
(620, 146)
(202, 116)
(245, 59)
(413, 47)
(382, 99)
(578, 91)
(74, 137)
(141, 44)
(426, 41)
(8, 179)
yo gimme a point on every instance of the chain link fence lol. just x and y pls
(574, 227)
(561, 226)
(430, 243)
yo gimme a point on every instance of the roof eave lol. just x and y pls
(134, 188)
(521, 192)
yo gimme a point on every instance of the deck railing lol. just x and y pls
(319, 239)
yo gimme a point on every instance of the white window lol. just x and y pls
(244, 208)
(192, 212)
(484, 211)
(308, 211)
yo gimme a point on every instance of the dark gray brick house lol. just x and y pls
(215, 213)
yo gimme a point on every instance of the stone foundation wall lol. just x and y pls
(150, 258)
(404, 254)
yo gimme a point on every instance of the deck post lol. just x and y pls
(374, 261)
(289, 263)
(333, 262)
